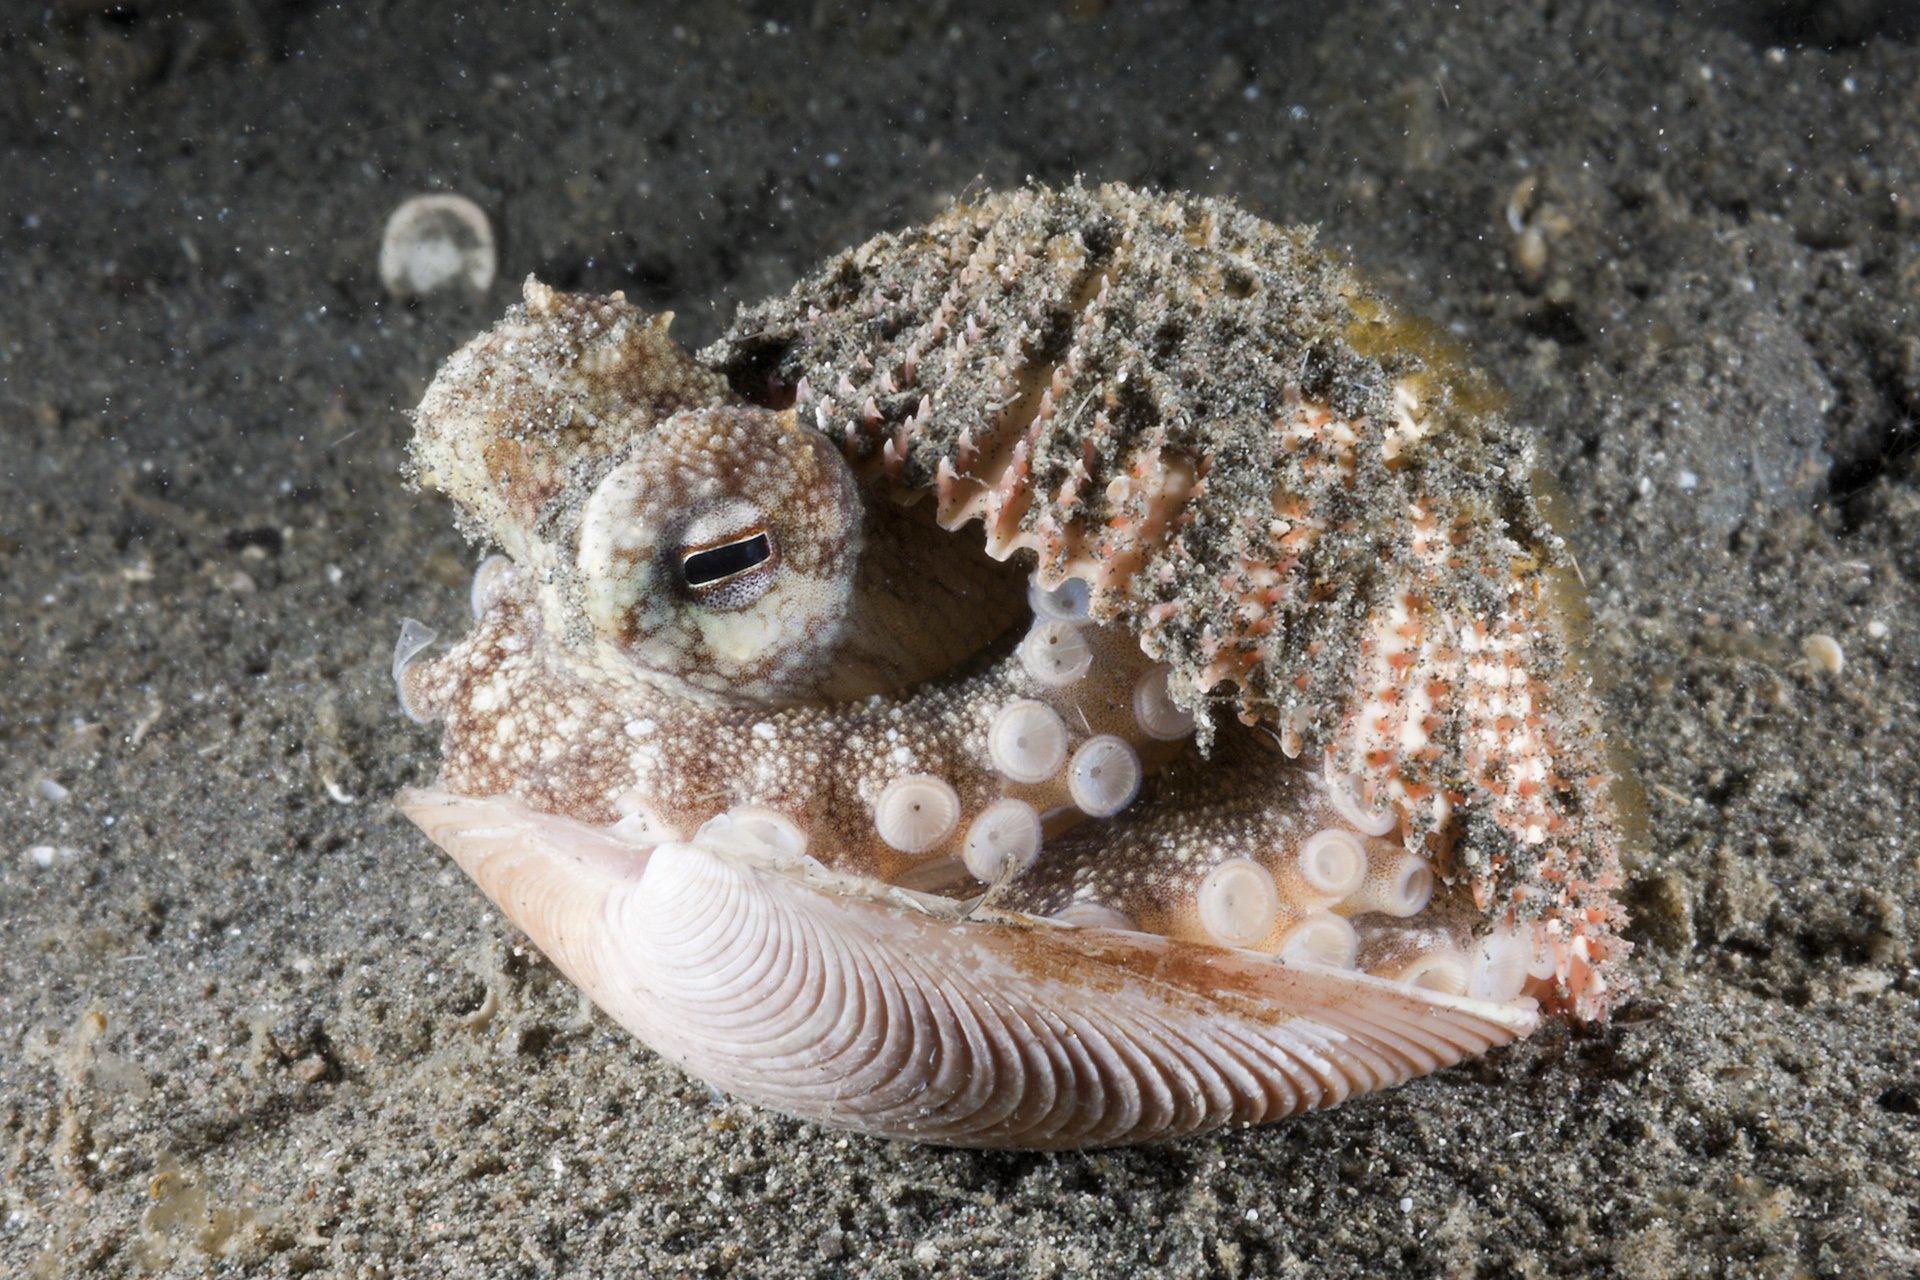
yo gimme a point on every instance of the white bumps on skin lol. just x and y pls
(916, 812)
(1027, 741)
(1239, 903)
(1159, 716)
(1104, 775)
(1055, 653)
(1004, 840)
(746, 635)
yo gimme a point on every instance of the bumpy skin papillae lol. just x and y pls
(867, 703)
(1302, 503)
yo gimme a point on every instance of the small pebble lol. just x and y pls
(1823, 653)
(435, 243)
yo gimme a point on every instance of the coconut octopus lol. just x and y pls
(1082, 671)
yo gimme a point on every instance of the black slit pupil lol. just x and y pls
(705, 567)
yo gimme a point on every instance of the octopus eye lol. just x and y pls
(729, 574)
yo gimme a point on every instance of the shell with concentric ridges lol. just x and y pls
(878, 1015)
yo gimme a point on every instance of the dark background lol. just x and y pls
(250, 1021)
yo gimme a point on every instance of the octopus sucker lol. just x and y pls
(1081, 671)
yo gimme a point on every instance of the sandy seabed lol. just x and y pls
(252, 1024)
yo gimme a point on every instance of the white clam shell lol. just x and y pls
(862, 1007)
(437, 242)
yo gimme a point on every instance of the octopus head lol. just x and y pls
(663, 527)
(722, 551)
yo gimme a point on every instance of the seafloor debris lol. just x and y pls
(433, 243)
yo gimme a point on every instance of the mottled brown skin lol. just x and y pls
(524, 716)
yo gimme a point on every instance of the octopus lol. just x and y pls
(1082, 671)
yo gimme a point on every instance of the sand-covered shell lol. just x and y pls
(1080, 671)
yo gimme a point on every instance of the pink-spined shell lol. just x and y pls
(1303, 501)
(885, 1013)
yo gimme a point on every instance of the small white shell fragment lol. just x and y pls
(1541, 961)
(916, 812)
(415, 636)
(1068, 602)
(1321, 938)
(45, 855)
(1027, 741)
(1823, 653)
(436, 242)
(1239, 902)
(1333, 862)
(1158, 715)
(1104, 775)
(1055, 653)
(490, 582)
(1004, 840)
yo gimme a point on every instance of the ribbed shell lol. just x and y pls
(1302, 502)
(886, 1015)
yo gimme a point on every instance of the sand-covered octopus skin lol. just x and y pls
(865, 820)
